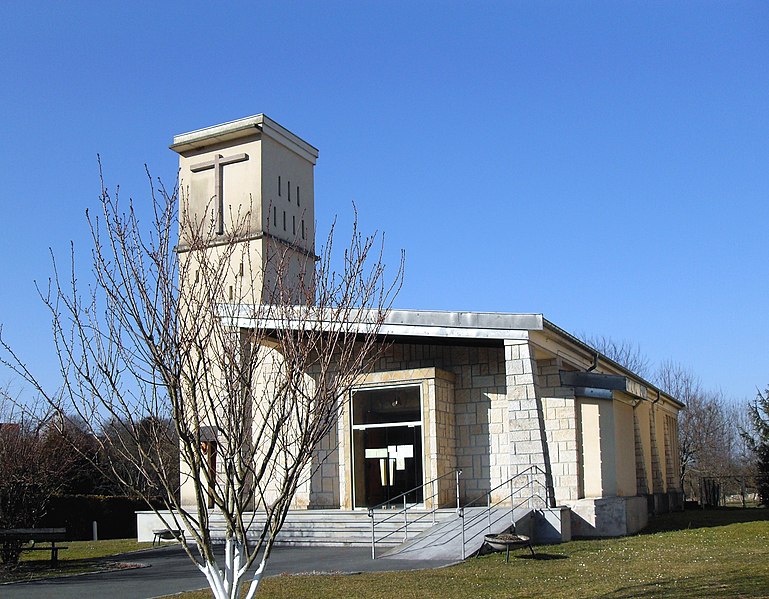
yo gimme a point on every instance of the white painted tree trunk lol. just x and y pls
(227, 582)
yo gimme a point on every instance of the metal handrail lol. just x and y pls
(530, 472)
(405, 509)
(526, 472)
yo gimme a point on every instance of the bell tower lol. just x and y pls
(247, 191)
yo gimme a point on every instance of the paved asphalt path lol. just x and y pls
(170, 571)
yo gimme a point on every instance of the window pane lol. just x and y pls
(394, 404)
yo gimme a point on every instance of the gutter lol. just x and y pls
(595, 355)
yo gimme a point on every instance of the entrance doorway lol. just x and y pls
(387, 445)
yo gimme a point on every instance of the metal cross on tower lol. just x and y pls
(218, 164)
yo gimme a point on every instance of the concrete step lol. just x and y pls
(334, 528)
(344, 528)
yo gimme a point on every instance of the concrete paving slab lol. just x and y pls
(444, 540)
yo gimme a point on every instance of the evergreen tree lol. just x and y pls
(758, 441)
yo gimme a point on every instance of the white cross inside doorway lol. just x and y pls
(391, 458)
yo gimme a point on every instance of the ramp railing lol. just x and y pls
(396, 509)
(525, 488)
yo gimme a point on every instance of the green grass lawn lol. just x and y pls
(78, 558)
(715, 553)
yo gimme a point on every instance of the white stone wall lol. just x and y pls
(527, 444)
(324, 484)
(559, 407)
(496, 411)
(488, 420)
(479, 408)
(672, 456)
(642, 448)
(443, 438)
(624, 448)
(560, 424)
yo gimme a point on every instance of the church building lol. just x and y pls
(488, 394)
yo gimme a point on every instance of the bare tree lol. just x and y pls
(182, 335)
(707, 429)
(685, 387)
(33, 468)
(126, 441)
(624, 353)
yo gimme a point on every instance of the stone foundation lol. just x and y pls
(608, 516)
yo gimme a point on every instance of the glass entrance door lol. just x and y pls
(387, 445)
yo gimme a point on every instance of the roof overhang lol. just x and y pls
(634, 384)
(397, 323)
(443, 325)
(259, 124)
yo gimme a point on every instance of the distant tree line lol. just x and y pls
(44, 456)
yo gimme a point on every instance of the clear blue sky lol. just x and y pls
(605, 164)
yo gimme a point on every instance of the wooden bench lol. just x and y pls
(35, 536)
(167, 534)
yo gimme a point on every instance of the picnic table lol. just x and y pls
(37, 535)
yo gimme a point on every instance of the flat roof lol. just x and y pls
(245, 127)
(411, 323)
(436, 324)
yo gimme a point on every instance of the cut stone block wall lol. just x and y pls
(443, 438)
(324, 484)
(490, 421)
(528, 444)
(479, 408)
(559, 409)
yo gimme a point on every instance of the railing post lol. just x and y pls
(405, 519)
(459, 472)
(488, 511)
(462, 515)
(531, 489)
(435, 498)
(373, 534)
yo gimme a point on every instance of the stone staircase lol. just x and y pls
(343, 528)
(442, 539)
